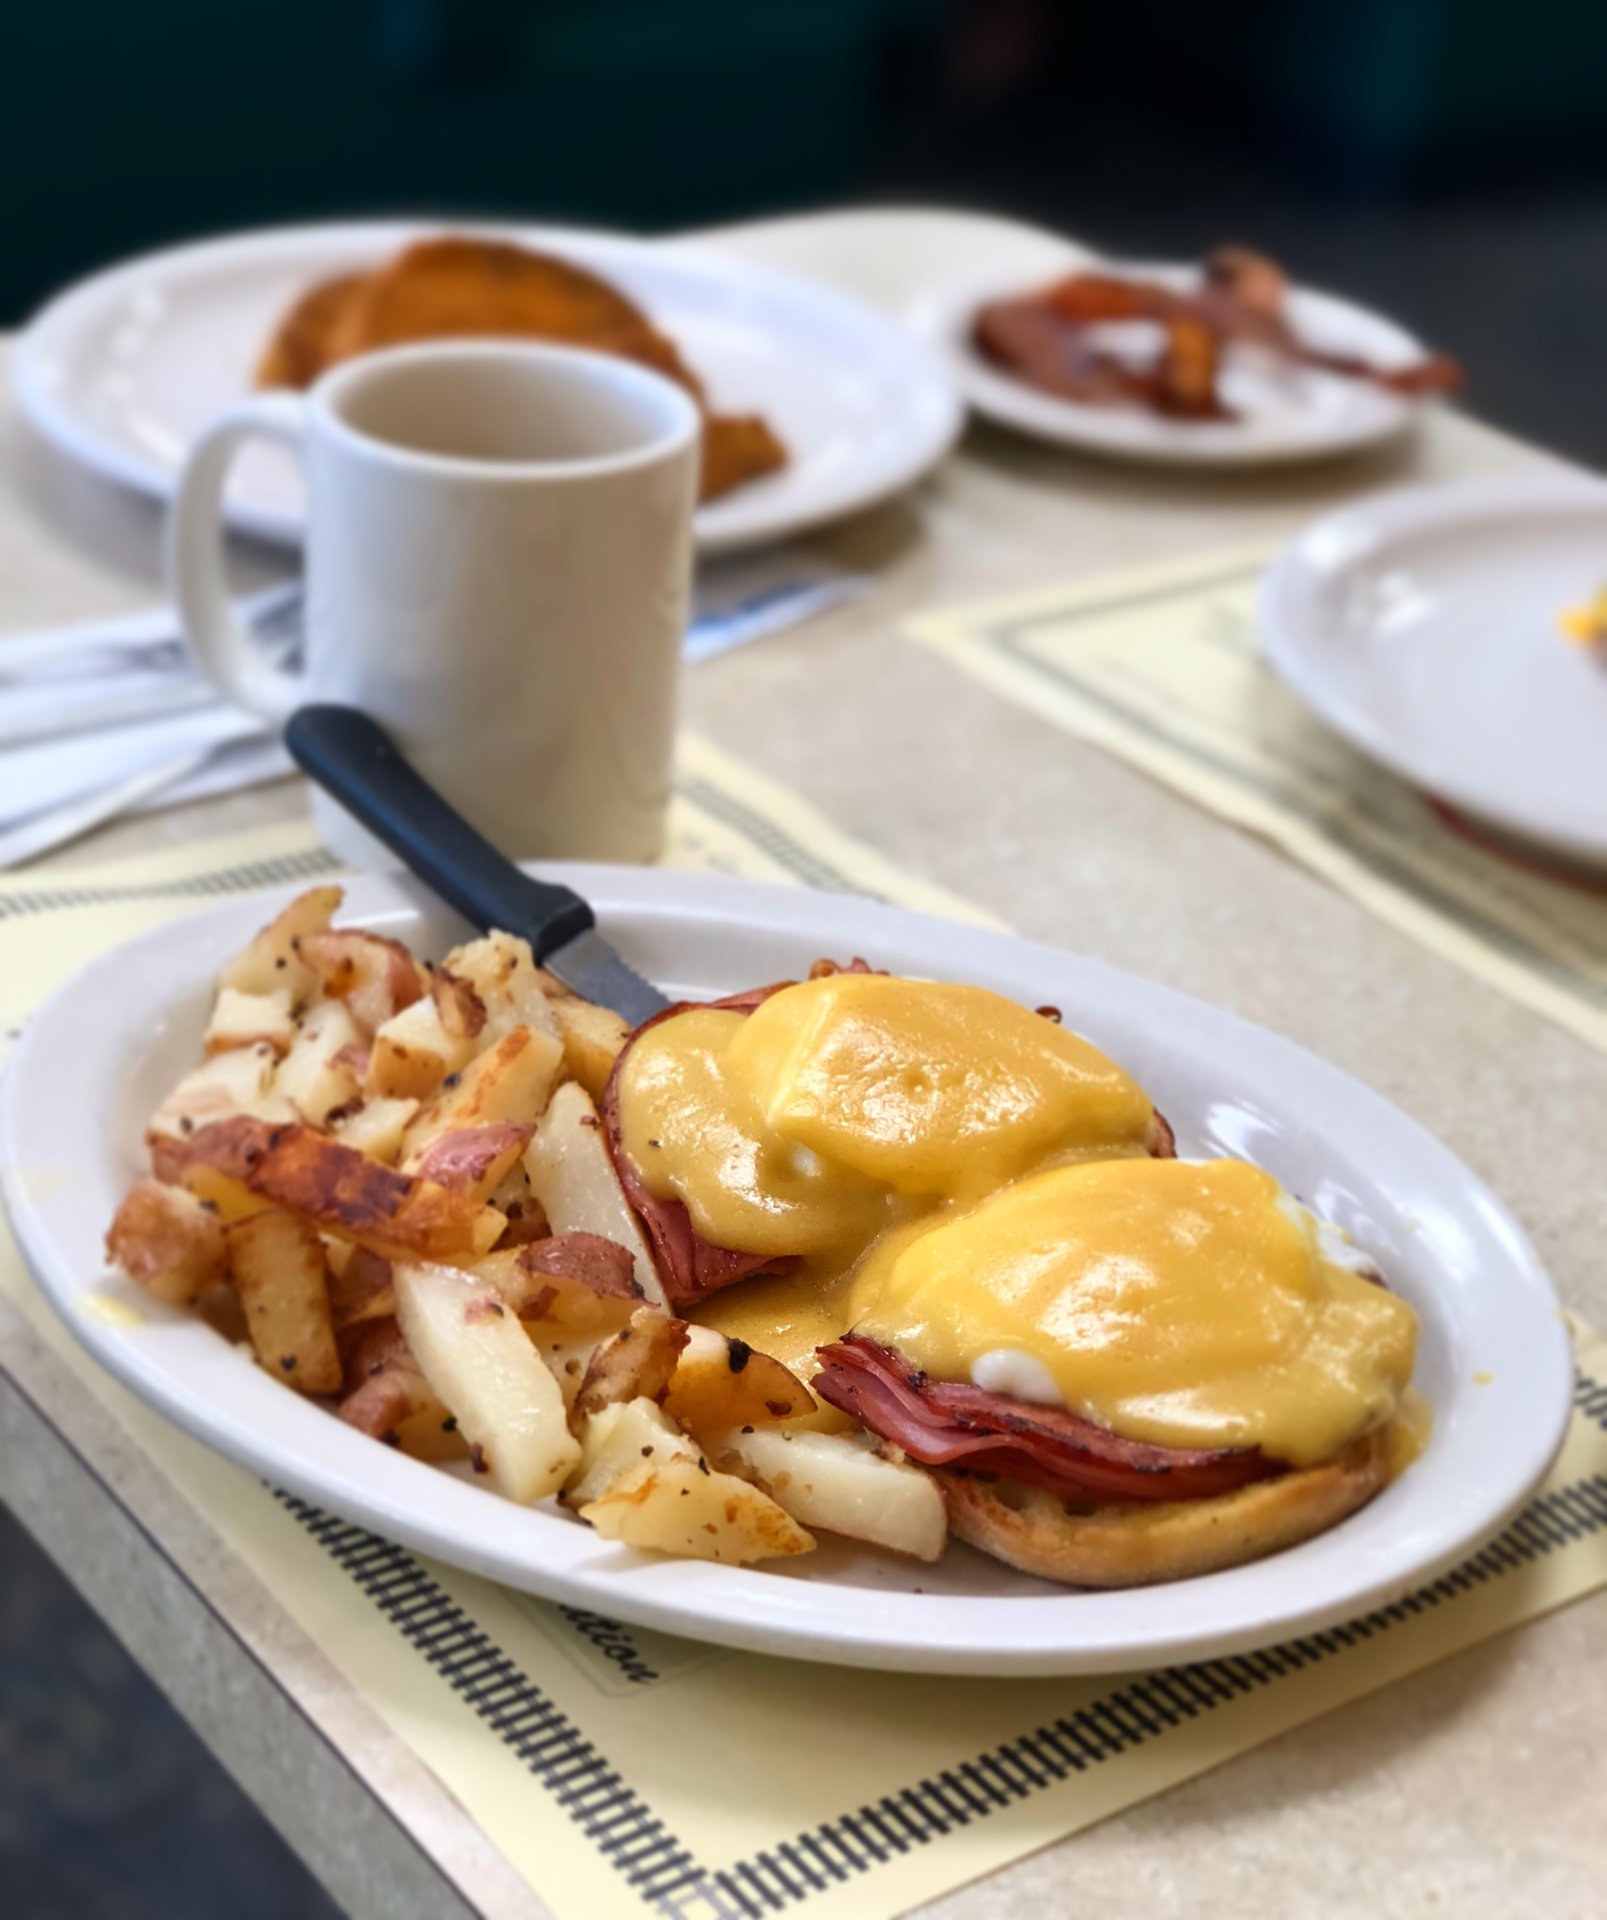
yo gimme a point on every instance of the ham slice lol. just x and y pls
(950, 1424)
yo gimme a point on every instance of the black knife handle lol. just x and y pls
(353, 759)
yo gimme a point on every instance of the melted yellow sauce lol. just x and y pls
(1168, 1301)
(964, 1179)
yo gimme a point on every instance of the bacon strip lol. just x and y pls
(945, 1424)
(1046, 339)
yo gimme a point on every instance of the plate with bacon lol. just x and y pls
(814, 405)
(1223, 363)
(949, 1303)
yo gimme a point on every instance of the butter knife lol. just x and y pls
(356, 762)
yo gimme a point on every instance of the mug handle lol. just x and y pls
(196, 580)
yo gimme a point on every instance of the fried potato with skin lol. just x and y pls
(721, 1383)
(634, 1364)
(503, 976)
(474, 1160)
(615, 1442)
(509, 1082)
(271, 960)
(341, 1192)
(461, 1010)
(567, 1355)
(235, 1082)
(829, 1480)
(376, 977)
(526, 1218)
(413, 1053)
(278, 1268)
(250, 1019)
(360, 1286)
(573, 1177)
(682, 1507)
(167, 1242)
(562, 1301)
(475, 1356)
(374, 1127)
(317, 1075)
(593, 1039)
(387, 1397)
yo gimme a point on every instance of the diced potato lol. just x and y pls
(277, 1264)
(475, 1356)
(504, 977)
(461, 1009)
(224, 1197)
(829, 1480)
(344, 1193)
(527, 1219)
(721, 1383)
(636, 1364)
(681, 1507)
(571, 1301)
(376, 1128)
(249, 1019)
(413, 1053)
(593, 1038)
(567, 1355)
(374, 976)
(317, 1075)
(615, 1442)
(229, 1083)
(164, 1239)
(509, 1082)
(474, 1160)
(360, 1289)
(271, 961)
(573, 1177)
(387, 1397)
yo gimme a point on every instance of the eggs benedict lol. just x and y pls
(967, 1227)
(782, 1131)
(1161, 1367)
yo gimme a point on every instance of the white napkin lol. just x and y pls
(89, 707)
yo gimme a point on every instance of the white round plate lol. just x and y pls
(1286, 413)
(1422, 626)
(93, 1063)
(122, 371)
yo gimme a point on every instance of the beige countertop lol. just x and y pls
(1474, 1788)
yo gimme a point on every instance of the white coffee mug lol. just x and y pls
(499, 551)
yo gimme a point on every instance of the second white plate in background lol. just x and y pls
(1423, 627)
(122, 371)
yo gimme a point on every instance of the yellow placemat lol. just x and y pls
(1161, 668)
(627, 1773)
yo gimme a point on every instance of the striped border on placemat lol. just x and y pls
(633, 1840)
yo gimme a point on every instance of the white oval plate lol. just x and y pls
(93, 1063)
(122, 371)
(1286, 413)
(1422, 626)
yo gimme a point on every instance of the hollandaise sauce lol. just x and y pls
(970, 1183)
